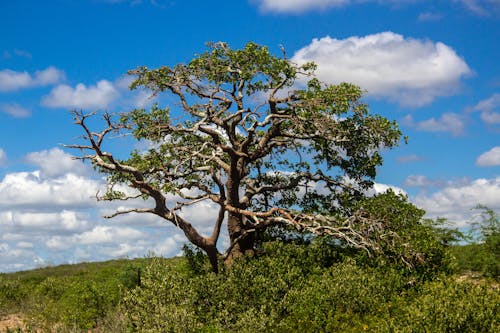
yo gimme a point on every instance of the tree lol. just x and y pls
(257, 135)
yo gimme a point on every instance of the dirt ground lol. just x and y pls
(12, 321)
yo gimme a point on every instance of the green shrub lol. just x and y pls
(417, 246)
(483, 253)
(163, 302)
(449, 306)
(339, 299)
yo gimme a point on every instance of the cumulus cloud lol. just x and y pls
(55, 162)
(81, 96)
(409, 71)
(11, 80)
(27, 222)
(455, 201)
(108, 234)
(59, 182)
(490, 110)
(299, 6)
(489, 158)
(379, 188)
(448, 122)
(30, 189)
(15, 110)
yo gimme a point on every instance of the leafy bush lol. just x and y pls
(163, 302)
(450, 306)
(419, 246)
(290, 290)
(483, 253)
(269, 293)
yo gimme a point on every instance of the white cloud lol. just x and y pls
(299, 6)
(30, 189)
(38, 222)
(455, 201)
(3, 158)
(490, 109)
(15, 110)
(422, 181)
(481, 7)
(409, 71)
(409, 158)
(478, 7)
(448, 122)
(12, 80)
(491, 118)
(108, 234)
(55, 162)
(379, 188)
(489, 158)
(98, 96)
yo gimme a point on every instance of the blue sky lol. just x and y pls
(431, 65)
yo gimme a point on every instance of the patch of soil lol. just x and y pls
(12, 321)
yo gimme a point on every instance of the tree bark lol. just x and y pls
(242, 241)
(213, 258)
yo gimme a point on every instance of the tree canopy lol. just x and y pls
(258, 136)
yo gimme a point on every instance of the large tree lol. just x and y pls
(257, 135)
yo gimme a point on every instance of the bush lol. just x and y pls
(449, 306)
(163, 302)
(483, 253)
(418, 247)
(272, 292)
(340, 299)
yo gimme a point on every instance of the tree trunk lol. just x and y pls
(242, 241)
(213, 258)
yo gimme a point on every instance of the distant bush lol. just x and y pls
(482, 254)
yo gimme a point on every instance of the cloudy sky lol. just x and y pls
(431, 65)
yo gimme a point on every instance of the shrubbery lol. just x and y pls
(288, 290)
(482, 254)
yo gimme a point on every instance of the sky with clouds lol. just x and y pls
(430, 65)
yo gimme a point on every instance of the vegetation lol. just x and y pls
(482, 254)
(295, 287)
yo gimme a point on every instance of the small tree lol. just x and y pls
(257, 135)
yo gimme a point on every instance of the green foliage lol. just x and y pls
(72, 297)
(490, 231)
(450, 306)
(483, 253)
(409, 242)
(163, 303)
(196, 260)
(290, 289)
